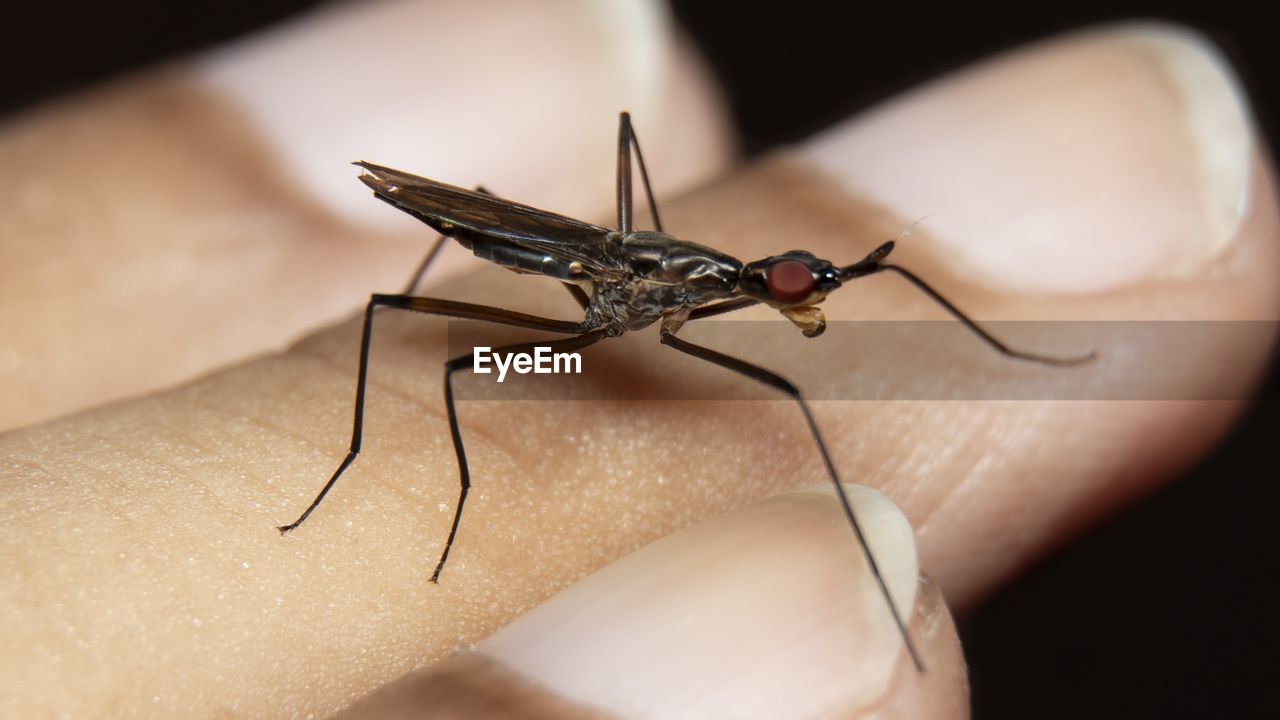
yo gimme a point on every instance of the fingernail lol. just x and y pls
(1083, 164)
(766, 612)
(470, 91)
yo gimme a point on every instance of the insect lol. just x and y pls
(624, 279)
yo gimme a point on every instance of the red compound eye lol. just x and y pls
(789, 281)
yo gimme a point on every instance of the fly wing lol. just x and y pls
(441, 205)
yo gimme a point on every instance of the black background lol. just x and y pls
(1150, 615)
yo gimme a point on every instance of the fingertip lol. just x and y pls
(769, 611)
(519, 96)
(942, 690)
(1086, 163)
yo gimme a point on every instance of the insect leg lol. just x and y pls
(977, 329)
(624, 172)
(430, 306)
(465, 361)
(626, 143)
(777, 381)
(418, 274)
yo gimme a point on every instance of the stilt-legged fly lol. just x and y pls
(624, 279)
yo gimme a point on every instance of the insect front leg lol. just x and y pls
(668, 337)
(873, 264)
(464, 471)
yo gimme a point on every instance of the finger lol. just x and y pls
(1119, 176)
(766, 612)
(177, 208)
(198, 478)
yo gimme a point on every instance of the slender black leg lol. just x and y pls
(644, 172)
(777, 381)
(465, 361)
(624, 173)
(627, 142)
(430, 306)
(421, 272)
(873, 263)
(977, 329)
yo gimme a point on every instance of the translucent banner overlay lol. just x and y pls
(892, 360)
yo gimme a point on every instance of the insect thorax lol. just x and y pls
(664, 275)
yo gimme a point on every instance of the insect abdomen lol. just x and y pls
(516, 257)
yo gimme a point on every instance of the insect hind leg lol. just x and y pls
(464, 471)
(429, 306)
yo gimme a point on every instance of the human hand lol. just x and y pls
(201, 205)
(971, 475)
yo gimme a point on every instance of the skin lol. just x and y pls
(143, 536)
(163, 508)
